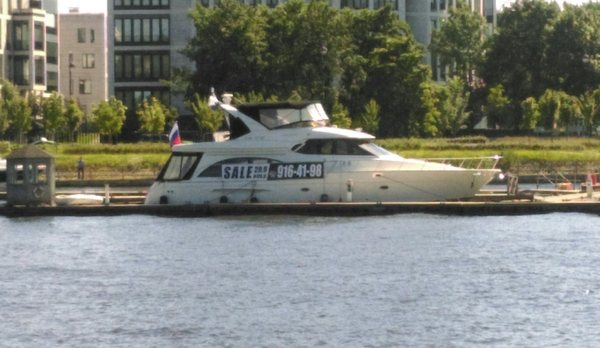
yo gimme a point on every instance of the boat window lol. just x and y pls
(376, 149)
(214, 170)
(343, 147)
(284, 117)
(180, 166)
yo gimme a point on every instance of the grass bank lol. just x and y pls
(525, 155)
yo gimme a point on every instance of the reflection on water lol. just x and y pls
(403, 280)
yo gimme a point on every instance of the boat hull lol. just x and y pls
(342, 186)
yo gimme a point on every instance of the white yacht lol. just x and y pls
(286, 152)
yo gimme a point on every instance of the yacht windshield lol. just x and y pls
(282, 117)
(376, 150)
(180, 167)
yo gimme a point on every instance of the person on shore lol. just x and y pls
(80, 169)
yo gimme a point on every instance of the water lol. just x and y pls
(396, 281)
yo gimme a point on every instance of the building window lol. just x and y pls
(125, 4)
(442, 5)
(142, 66)
(355, 4)
(88, 61)
(52, 81)
(164, 30)
(142, 30)
(433, 5)
(39, 36)
(21, 70)
(85, 87)
(52, 53)
(206, 3)
(40, 71)
(21, 35)
(382, 3)
(92, 35)
(81, 35)
(118, 31)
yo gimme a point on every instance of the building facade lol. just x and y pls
(84, 73)
(145, 37)
(29, 44)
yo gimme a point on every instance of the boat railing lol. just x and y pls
(469, 162)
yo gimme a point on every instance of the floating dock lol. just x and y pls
(126, 200)
(309, 209)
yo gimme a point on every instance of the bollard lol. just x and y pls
(589, 187)
(106, 194)
(349, 187)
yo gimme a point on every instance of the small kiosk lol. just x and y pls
(30, 177)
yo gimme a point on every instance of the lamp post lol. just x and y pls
(71, 66)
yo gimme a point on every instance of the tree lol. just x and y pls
(590, 108)
(309, 65)
(8, 94)
(228, 49)
(549, 104)
(73, 117)
(382, 62)
(570, 111)
(458, 43)
(515, 54)
(53, 111)
(531, 114)
(497, 106)
(208, 120)
(152, 116)
(20, 117)
(339, 116)
(109, 116)
(429, 109)
(370, 118)
(572, 57)
(444, 107)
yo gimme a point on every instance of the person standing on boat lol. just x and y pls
(80, 169)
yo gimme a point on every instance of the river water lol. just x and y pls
(395, 281)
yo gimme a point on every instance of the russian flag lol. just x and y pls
(174, 137)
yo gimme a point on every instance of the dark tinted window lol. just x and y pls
(344, 147)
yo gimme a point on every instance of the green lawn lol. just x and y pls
(520, 154)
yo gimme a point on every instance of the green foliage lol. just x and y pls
(458, 43)
(15, 113)
(444, 107)
(229, 47)
(590, 108)
(370, 118)
(208, 119)
(109, 116)
(310, 50)
(73, 117)
(515, 54)
(339, 116)
(152, 116)
(531, 114)
(571, 60)
(20, 113)
(497, 106)
(53, 111)
(558, 109)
